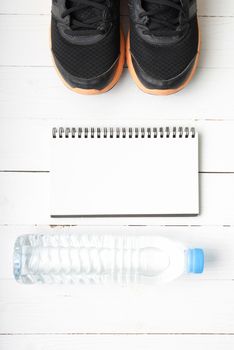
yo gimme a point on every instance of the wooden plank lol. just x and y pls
(25, 7)
(206, 8)
(172, 308)
(25, 199)
(105, 342)
(181, 307)
(216, 8)
(27, 32)
(217, 242)
(25, 143)
(39, 93)
(33, 32)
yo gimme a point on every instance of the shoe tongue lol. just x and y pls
(163, 12)
(84, 14)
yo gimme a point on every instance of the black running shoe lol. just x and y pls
(163, 44)
(87, 45)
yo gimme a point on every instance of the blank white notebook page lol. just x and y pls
(124, 172)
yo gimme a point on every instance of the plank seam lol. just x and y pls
(120, 334)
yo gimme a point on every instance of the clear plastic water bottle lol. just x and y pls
(97, 258)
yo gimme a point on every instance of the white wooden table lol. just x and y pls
(195, 312)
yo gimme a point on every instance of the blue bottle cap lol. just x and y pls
(195, 262)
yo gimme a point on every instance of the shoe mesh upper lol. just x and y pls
(165, 62)
(86, 61)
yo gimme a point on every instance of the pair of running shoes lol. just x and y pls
(89, 50)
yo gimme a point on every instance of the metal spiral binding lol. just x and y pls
(151, 132)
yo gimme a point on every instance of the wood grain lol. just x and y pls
(105, 342)
(38, 93)
(182, 307)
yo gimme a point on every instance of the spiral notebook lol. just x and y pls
(124, 172)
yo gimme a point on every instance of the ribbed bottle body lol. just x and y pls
(98, 258)
(74, 258)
